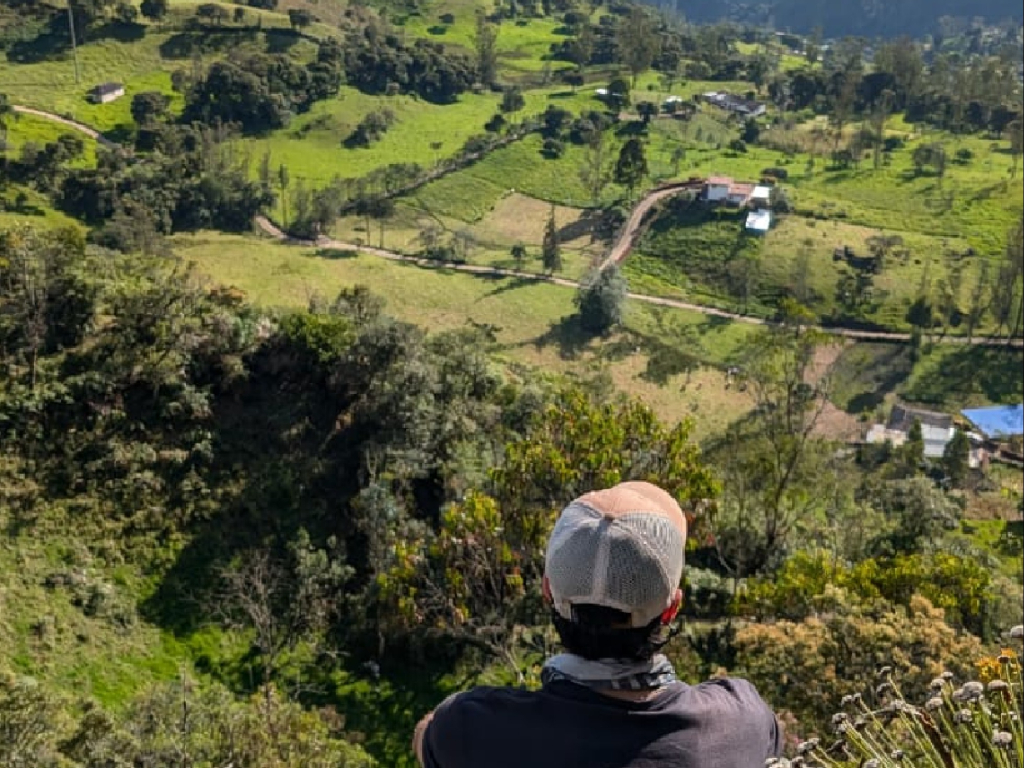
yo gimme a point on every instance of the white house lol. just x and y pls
(716, 190)
(936, 429)
(739, 193)
(105, 92)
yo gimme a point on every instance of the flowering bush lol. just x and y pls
(973, 725)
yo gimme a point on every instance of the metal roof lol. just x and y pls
(997, 421)
(759, 221)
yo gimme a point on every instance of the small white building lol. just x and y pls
(761, 197)
(716, 190)
(759, 221)
(105, 92)
(936, 429)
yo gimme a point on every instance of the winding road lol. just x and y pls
(620, 250)
(92, 133)
(271, 229)
(634, 226)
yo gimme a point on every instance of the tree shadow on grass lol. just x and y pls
(336, 253)
(972, 373)
(184, 44)
(508, 284)
(121, 134)
(56, 43)
(869, 380)
(568, 335)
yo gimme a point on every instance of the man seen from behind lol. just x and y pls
(612, 572)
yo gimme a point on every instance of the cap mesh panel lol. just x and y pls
(645, 564)
(645, 560)
(571, 569)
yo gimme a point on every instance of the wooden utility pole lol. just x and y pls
(74, 46)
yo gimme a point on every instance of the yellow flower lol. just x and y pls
(988, 669)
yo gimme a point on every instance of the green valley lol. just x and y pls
(314, 313)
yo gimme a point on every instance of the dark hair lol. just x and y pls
(598, 632)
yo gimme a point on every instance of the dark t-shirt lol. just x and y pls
(717, 724)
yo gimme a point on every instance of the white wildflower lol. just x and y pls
(804, 747)
(1002, 738)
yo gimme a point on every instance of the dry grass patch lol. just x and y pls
(518, 218)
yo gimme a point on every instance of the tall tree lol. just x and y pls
(631, 166)
(519, 255)
(282, 183)
(148, 107)
(485, 43)
(902, 60)
(1016, 131)
(844, 96)
(595, 170)
(770, 463)
(512, 99)
(154, 9)
(956, 458)
(582, 46)
(601, 300)
(551, 250)
(637, 41)
(879, 117)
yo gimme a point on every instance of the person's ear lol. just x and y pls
(546, 589)
(669, 614)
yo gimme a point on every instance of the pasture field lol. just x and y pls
(515, 219)
(25, 129)
(533, 320)
(141, 57)
(933, 221)
(313, 148)
(36, 211)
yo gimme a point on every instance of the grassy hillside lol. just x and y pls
(689, 252)
(532, 320)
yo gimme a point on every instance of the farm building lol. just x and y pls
(733, 103)
(936, 429)
(723, 189)
(716, 189)
(105, 92)
(761, 197)
(739, 194)
(758, 221)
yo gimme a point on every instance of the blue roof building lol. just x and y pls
(997, 421)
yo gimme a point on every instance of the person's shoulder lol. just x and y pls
(450, 735)
(480, 701)
(729, 693)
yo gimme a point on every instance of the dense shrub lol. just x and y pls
(371, 128)
(421, 67)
